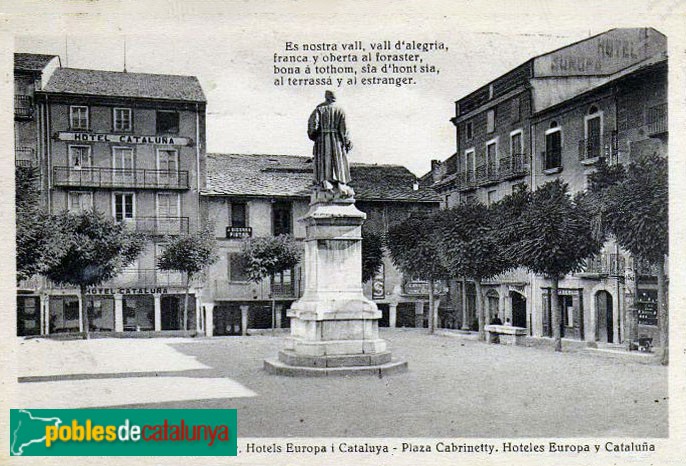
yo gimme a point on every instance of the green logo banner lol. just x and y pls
(123, 432)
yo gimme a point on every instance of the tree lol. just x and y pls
(372, 253)
(414, 250)
(470, 248)
(190, 255)
(267, 256)
(633, 207)
(553, 237)
(39, 243)
(96, 249)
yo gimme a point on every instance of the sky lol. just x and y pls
(233, 56)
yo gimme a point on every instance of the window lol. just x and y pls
(122, 162)
(469, 130)
(516, 144)
(124, 206)
(282, 283)
(78, 117)
(237, 268)
(516, 151)
(491, 152)
(79, 156)
(591, 146)
(238, 214)
(167, 122)
(469, 161)
(122, 119)
(553, 149)
(490, 121)
(168, 206)
(281, 218)
(168, 165)
(516, 109)
(78, 201)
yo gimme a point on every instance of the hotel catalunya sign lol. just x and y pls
(123, 139)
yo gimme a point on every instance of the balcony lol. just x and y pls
(656, 120)
(591, 149)
(238, 232)
(105, 177)
(23, 107)
(25, 157)
(513, 166)
(607, 265)
(146, 278)
(465, 181)
(283, 290)
(159, 226)
(486, 174)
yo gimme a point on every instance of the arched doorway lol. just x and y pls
(604, 319)
(518, 309)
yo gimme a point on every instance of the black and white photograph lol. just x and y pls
(382, 233)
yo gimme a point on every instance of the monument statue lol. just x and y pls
(334, 326)
(327, 128)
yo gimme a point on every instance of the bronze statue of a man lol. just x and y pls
(327, 128)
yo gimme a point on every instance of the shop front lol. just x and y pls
(120, 310)
(571, 308)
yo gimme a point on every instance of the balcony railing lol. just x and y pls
(612, 265)
(599, 146)
(23, 107)
(509, 167)
(104, 177)
(513, 166)
(25, 157)
(159, 226)
(465, 180)
(146, 278)
(283, 290)
(656, 119)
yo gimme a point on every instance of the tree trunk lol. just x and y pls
(185, 302)
(555, 313)
(662, 311)
(437, 304)
(84, 310)
(431, 306)
(480, 310)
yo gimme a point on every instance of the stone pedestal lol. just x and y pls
(334, 328)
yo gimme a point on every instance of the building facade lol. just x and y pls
(555, 117)
(131, 146)
(264, 195)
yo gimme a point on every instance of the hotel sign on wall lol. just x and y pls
(123, 138)
(602, 55)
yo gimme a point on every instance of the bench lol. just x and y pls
(506, 335)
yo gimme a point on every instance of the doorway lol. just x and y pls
(604, 318)
(518, 309)
(227, 319)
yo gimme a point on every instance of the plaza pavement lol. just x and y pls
(455, 387)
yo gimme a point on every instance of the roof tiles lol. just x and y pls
(292, 176)
(123, 84)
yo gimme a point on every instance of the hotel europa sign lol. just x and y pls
(123, 139)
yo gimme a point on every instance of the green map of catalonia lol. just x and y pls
(30, 429)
